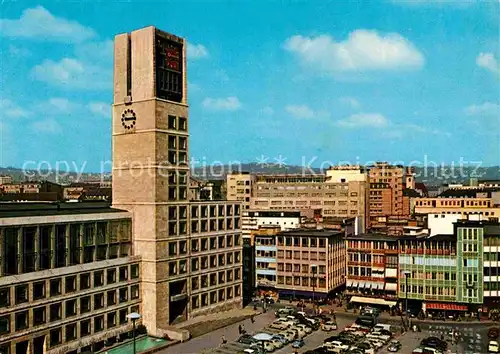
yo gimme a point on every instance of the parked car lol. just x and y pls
(394, 346)
(299, 330)
(289, 336)
(299, 343)
(329, 326)
(493, 347)
(268, 346)
(336, 344)
(434, 342)
(366, 347)
(280, 338)
(279, 325)
(493, 333)
(304, 327)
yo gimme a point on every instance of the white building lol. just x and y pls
(252, 220)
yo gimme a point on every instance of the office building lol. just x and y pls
(239, 187)
(190, 251)
(68, 278)
(311, 263)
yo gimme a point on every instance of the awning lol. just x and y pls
(362, 284)
(368, 285)
(391, 286)
(373, 301)
(354, 284)
(349, 283)
(445, 306)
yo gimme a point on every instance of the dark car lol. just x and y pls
(246, 339)
(299, 343)
(434, 342)
(394, 346)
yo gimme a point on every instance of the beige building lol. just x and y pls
(343, 191)
(5, 179)
(310, 262)
(239, 187)
(67, 277)
(189, 251)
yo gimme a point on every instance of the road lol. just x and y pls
(474, 337)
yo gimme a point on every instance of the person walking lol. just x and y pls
(224, 340)
(252, 319)
(239, 329)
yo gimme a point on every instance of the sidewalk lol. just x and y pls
(244, 312)
(340, 311)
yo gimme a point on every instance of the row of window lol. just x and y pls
(204, 262)
(215, 279)
(203, 211)
(213, 243)
(212, 298)
(429, 290)
(302, 281)
(301, 268)
(432, 275)
(215, 225)
(74, 307)
(67, 285)
(304, 255)
(302, 241)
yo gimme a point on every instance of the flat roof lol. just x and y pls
(311, 232)
(22, 209)
(375, 237)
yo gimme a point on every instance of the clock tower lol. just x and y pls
(150, 162)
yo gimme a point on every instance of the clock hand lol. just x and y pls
(129, 118)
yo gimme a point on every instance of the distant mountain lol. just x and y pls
(431, 176)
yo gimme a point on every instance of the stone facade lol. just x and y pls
(151, 173)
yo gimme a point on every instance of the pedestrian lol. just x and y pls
(224, 340)
(239, 329)
(243, 329)
(252, 319)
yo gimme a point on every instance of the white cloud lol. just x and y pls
(363, 50)
(10, 109)
(73, 73)
(300, 111)
(18, 52)
(62, 105)
(373, 120)
(351, 102)
(485, 109)
(39, 24)
(222, 104)
(489, 62)
(100, 108)
(96, 52)
(267, 111)
(196, 51)
(47, 126)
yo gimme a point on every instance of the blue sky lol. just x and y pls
(331, 80)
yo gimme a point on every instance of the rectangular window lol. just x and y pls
(70, 284)
(39, 316)
(38, 290)
(98, 278)
(134, 271)
(21, 294)
(111, 276)
(84, 281)
(70, 308)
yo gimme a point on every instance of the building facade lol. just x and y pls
(372, 269)
(190, 251)
(310, 262)
(252, 220)
(239, 187)
(68, 278)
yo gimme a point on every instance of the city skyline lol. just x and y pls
(357, 82)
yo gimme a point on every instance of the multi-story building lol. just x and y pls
(441, 270)
(389, 180)
(372, 269)
(491, 265)
(254, 219)
(310, 262)
(31, 191)
(190, 251)
(462, 202)
(342, 191)
(68, 278)
(4, 179)
(266, 256)
(239, 187)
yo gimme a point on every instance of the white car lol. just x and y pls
(493, 347)
(267, 345)
(376, 343)
(300, 332)
(329, 326)
(277, 343)
(336, 344)
(305, 328)
(279, 325)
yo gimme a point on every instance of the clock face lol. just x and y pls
(128, 119)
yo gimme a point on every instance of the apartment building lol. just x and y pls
(266, 256)
(387, 180)
(310, 262)
(68, 277)
(343, 191)
(372, 269)
(190, 251)
(239, 187)
(491, 262)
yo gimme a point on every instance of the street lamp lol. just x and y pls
(134, 316)
(407, 275)
(313, 269)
